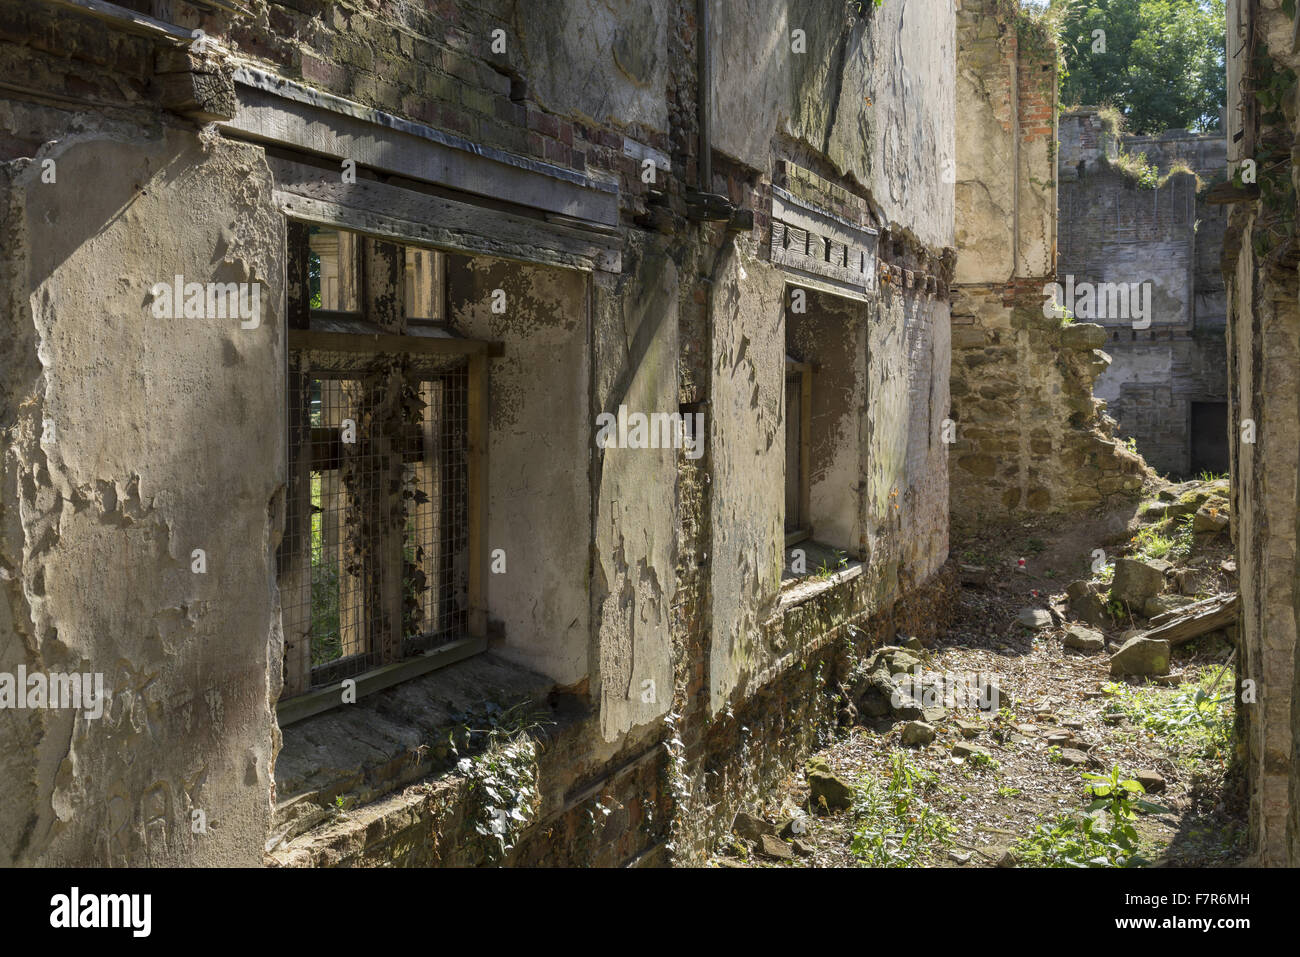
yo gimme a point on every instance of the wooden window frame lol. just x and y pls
(804, 370)
(354, 333)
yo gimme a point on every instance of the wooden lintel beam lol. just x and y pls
(310, 339)
(127, 21)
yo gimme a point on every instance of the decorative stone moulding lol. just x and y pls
(824, 250)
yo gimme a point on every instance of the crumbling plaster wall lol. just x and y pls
(1006, 125)
(1264, 344)
(130, 441)
(832, 334)
(900, 483)
(918, 482)
(637, 353)
(587, 592)
(1263, 357)
(873, 102)
(563, 41)
(873, 93)
(539, 442)
(747, 458)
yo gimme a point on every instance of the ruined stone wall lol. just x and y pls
(1114, 230)
(142, 472)
(643, 609)
(1029, 437)
(1259, 266)
(821, 126)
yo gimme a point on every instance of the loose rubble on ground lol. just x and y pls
(1070, 653)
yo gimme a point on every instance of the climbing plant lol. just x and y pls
(1274, 87)
(503, 786)
(1039, 31)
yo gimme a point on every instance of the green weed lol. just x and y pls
(895, 824)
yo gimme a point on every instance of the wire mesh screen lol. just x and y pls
(375, 567)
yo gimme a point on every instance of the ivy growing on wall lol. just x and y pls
(1274, 89)
(503, 780)
(1038, 32)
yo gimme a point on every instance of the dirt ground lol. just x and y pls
(1052, 698)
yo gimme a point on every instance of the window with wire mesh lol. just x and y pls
(377, 560)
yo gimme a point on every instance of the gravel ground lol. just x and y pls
(1052, 691)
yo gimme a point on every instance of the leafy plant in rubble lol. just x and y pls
(1196, 722)
(895, 824)
(1170, 539)
(982, 760)
(1103, 835)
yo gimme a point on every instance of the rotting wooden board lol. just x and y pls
(279, 111)
(305, 192)
(1211, 615)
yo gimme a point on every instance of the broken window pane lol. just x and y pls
(424, 284)
(332, 270)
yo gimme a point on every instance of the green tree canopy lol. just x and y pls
(1163, 65)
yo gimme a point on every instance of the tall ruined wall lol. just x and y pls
(642, 602)
(872, 93)
(856, 132)
(867, 105)
(1259, 266)
(142, 499)
(1167, 238)
(1030, 438)
(107, 93)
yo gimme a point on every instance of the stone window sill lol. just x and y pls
(827, 568)
(390, 739)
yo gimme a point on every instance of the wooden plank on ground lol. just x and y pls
(1208, 616)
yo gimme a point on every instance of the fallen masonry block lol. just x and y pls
(826, 788)
(1152, 781)
(1136, 581)
(917, 733)
(1084, 639)
(1141, 657)
(1035, 619)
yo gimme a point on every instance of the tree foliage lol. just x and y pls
(1163, 63)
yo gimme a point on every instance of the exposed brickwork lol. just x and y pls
(1168, 239)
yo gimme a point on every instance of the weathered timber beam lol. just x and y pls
(127, 20)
